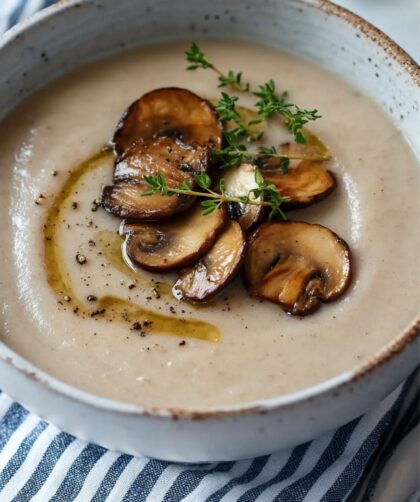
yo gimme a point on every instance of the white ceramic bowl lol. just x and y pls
(73, 32)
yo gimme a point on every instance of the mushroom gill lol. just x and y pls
(215, 269)
(173, 244)
(297, 265)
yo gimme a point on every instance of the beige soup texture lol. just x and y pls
(120, 333)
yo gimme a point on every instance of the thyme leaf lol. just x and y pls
(196, 58)
(264, 195)
(269, 102)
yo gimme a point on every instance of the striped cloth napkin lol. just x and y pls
(38, 462)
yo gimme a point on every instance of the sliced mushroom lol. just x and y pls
(215, 269)
(297, 265)
(304, 184)
(238, 181)
(169, 112)
(168, 156)
(166, 246)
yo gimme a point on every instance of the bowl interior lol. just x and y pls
(91, 30)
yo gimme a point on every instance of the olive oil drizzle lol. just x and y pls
(109, 244)
(108, 307)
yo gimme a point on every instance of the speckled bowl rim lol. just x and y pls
(389, 352)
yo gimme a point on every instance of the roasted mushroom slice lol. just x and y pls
(297, 265)
(126, 200)
(170, 112)
(215, 269)
(304, 184)
(168, 156)
(238, 181)
(166, 246)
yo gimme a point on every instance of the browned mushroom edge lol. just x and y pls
(320, 184)
(177, 243)
(216, 269)
(168, 156)
(171, 112)
(302, 273)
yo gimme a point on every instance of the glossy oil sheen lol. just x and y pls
(263, 352)
(109, 307)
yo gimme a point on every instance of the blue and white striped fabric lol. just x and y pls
(39, 463)
(13, 11)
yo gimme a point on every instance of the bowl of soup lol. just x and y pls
(140, 323)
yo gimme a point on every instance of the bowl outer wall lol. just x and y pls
(32, 54)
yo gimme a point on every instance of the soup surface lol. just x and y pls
(237, 349)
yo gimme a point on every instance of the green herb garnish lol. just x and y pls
(198, 60)
(213, 200)
(235, 152)
(226, 109)
(268, 104)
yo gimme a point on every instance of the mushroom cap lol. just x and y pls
(215, 269)
(168, 156)
(126, 201)
(297, 265)
(238, 181)
(173, 244)
(303, 185)
(172, 112)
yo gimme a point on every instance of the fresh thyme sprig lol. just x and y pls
(199, 60)
(295, 118)
(269, 102)
(233, 80)
(264, 195)
(226, 109)
(235, 153)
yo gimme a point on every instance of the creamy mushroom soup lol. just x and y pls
(72, 305)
